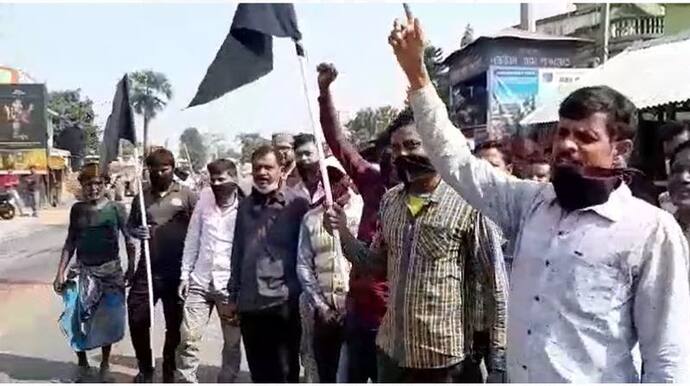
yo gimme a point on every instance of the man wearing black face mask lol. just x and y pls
(446, 273)
(595, 270)
(168, 209)
(206, 271)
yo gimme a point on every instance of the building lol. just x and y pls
(677, 18)
(629, 23)
(495, 80)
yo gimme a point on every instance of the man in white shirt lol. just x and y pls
(206, 271)
(595, 270)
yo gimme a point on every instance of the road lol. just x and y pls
(32, 348)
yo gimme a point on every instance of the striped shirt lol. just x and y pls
(437, 263)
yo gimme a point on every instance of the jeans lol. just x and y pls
(197, 311)
(33, 199)
(272, 341)
(139, 322)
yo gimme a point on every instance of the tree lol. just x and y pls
(249, 143)
(74, 113)
(196, 147)
(218, 146)
(150, 93)
(433, 60)
(369, 123)
(467, 36)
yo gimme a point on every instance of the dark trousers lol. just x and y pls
(271, 341)
(390, 372)
(139, 323)
(361, 352)
(328, 339)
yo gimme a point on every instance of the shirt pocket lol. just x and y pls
(593, 286)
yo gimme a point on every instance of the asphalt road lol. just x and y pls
(32, 348)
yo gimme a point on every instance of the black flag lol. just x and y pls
(247, 52)
(120, 124)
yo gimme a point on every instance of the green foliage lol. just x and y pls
(433, 60)
(369, 123)
(73, 109)
(150, 92)
(195, 145)
(250, 142)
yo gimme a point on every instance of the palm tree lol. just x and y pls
(150, 93)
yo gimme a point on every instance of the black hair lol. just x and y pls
(493, 144)
(265, 150)
(160, 157)
(680, 148)
(304, 138)
(222, 165)
(672, 129)
(404, 118)
(620, 111)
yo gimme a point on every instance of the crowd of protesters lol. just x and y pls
(435, 262)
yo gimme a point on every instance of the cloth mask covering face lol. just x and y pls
(307, 169)
(579, 187)
(161, 182)
(412, 167)
(224, 191)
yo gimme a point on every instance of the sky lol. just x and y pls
(90, 47)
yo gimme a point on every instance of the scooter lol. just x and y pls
(7, 208)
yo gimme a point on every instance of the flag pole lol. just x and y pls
(319, 141)
(147, 251)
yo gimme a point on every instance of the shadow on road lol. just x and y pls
(206, 374)
(20, 368)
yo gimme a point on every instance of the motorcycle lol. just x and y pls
(7, 208)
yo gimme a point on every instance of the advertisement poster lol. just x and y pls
(555, 83)
(23, 120)
(22, 160)
(512, 95)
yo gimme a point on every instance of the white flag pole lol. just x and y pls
(319, 142)
(147, 252)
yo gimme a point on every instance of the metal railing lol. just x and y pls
(637, 27)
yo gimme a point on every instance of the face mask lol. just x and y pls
(267, 188)
(161, 182)
(223, 191)
(308, 170)
(578, 187)
(413, 167)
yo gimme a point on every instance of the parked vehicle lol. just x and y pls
(7, 208)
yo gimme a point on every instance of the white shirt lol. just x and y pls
(208, 245)
(586, 286)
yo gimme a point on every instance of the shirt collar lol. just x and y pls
(441, 190)
(612, 209)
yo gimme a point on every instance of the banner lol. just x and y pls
(512, 95)
(23, 119)
(514, 92)
(22, 160)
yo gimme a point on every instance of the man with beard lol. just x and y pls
(595, 269)
(169, 208)
(206, 271)
(368, 295)
(263, 286)
(439, 253)
(323, 272)
(285, 145)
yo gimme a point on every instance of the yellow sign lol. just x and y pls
(18, 160)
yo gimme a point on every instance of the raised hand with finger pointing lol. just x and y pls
(407, 40)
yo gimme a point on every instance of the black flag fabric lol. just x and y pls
(120, 124)
(247, 52)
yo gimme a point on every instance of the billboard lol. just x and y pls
(23, 117)
(514, 92)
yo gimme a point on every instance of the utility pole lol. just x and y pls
(605, 23)
(527, 21)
